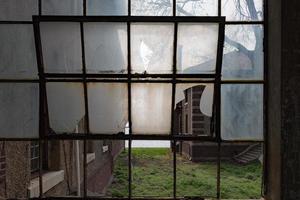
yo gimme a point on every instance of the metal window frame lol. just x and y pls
(92, 78)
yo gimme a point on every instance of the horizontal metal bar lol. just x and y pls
(48, 18)
(242, 81)
(16, 22)
(136, 75)
(130, 81)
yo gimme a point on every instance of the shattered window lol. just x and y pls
(132, 98)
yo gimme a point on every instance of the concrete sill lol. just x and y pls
(90, 157)
(50, 179)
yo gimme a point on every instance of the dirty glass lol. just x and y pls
(18, 10)
(62, 7)
(108, 107)
(17, 51)
(65, 106)
(243, 52)
(242, 10)
(151, 108)
(107, 7)
(152, 47)
(197, 8)
(61, 47)
(193, 109)
(106, 47)
(197, 48)
(242, 112)
(151, 7)
(19, 110)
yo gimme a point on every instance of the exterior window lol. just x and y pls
(35, 156)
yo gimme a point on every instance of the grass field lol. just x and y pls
(152, 175)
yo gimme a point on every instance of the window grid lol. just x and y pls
(43, 107)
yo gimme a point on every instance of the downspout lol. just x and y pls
(77, 159)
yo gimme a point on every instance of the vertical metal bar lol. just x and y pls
(129, 103)
(265, 88)
(85, 104)
(219, 8)
(218, 100)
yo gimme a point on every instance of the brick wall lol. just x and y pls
(290, 95)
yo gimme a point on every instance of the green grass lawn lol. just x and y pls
(152, 175)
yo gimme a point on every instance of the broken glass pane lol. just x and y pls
(151, 7)
(18, 10)
(19, 110)
(17, 57)
(61, 47)
(107, 7)
(106, 47)
(250, 10)
(197, 8)
(152, 47)
(241, 170)
(193, 109)
(243, 52)
(197, 48)
(108, 107)
(151, 108)
(65, 7)
(196, 169)
(65, 106)
(152, 168)
(242, 112)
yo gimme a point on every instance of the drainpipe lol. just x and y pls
(77, 159)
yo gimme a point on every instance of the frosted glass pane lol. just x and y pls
(242, 112)
(18, 10)
(197, 48)
(61, 47)
(239, 10)
(62, 7)
(243, 52)
(197, 8)
(17, 51)
(107, 7)
(151, 108)
(108, 107)
(106, 47)
(19, 110)
(65, 106)
(151, 7)
(152, 47)
(193, 109)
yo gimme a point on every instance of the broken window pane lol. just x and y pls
(19, 110)
(106, 47)
(62, 7)
(61, 47)
(65, 106)
(18, 10)
(197, 48)
(196, 169)
(151, 7)
(193, 109)
(151, 108)
(17, 57)
(250, 10)
(197, 8)
(152, 47)
(108, 107)
(241, 170)
(152, 168)
(243, 52)
(242, 112)
(107, 169)
(107, 7)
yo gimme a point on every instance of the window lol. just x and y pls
(155, 68)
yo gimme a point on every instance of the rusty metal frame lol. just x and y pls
(129, 78)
